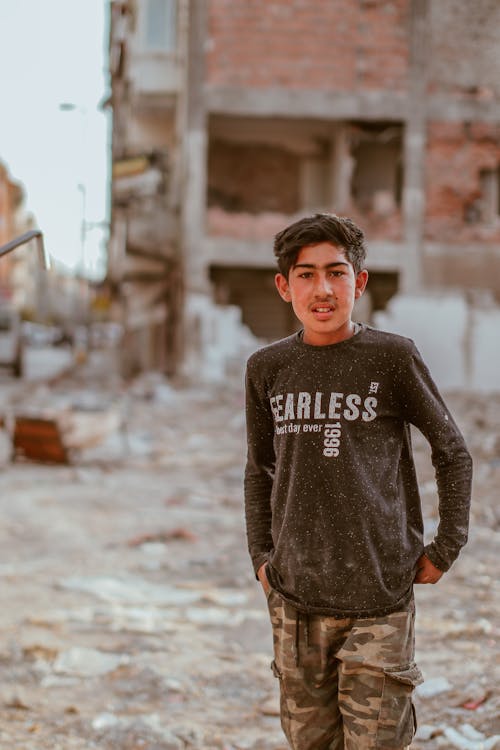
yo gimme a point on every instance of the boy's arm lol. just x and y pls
(424, 407)
(259, 472)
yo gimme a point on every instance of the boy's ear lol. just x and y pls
(361, 282)
(282, 287)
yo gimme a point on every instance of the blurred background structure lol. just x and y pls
(229, 120)
(232, 119)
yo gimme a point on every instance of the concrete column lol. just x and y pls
(312, 192)
(340, 171)
(194, 150)
(414, 148)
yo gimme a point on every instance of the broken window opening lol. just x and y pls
(377, 178)
(383, 285)
(160, 26)
(254, 292)
(315, 179)
(252, 178)
(275, 165)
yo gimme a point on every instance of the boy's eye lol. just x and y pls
(331, 274)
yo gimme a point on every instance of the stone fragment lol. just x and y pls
(432, 687)
(16, 700)
(460, 741)
(87, 662)
(471, 733)
(104, 721)
(426, 732)
(130, 590)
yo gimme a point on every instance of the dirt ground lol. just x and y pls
(130, 617)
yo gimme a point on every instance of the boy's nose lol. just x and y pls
(323, 286)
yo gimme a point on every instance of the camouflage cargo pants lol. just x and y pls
(344, 684)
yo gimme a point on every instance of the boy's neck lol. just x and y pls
(347, 332)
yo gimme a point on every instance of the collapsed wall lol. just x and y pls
(456, 332)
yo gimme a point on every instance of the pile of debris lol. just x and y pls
(43, 426)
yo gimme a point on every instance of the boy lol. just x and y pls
(333, 515)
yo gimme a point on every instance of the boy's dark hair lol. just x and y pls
(311, 230)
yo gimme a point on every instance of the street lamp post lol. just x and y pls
(81, 187)
(83, 226)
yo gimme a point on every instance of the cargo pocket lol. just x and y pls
(397, 723)
(285, 717)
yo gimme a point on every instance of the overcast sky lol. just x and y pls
(53, 52)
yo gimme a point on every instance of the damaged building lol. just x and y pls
(233, 118)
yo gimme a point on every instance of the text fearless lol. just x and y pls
(305, 405)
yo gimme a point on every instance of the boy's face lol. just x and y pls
(322, 287)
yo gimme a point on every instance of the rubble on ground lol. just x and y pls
(131, 617)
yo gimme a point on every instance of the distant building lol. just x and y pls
(11, 198)
(231, 118)
(20, 273)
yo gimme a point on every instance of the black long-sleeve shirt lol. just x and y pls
(331, 494)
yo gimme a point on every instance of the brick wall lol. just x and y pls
(252, 178)
(11, 196)
(456, 153)
(464, 59)
(336, 45)
(5, 206)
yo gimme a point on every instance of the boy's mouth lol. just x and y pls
(322, 311)
(324, 307)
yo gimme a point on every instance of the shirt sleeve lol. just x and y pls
(259, 472)
(424, 407)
